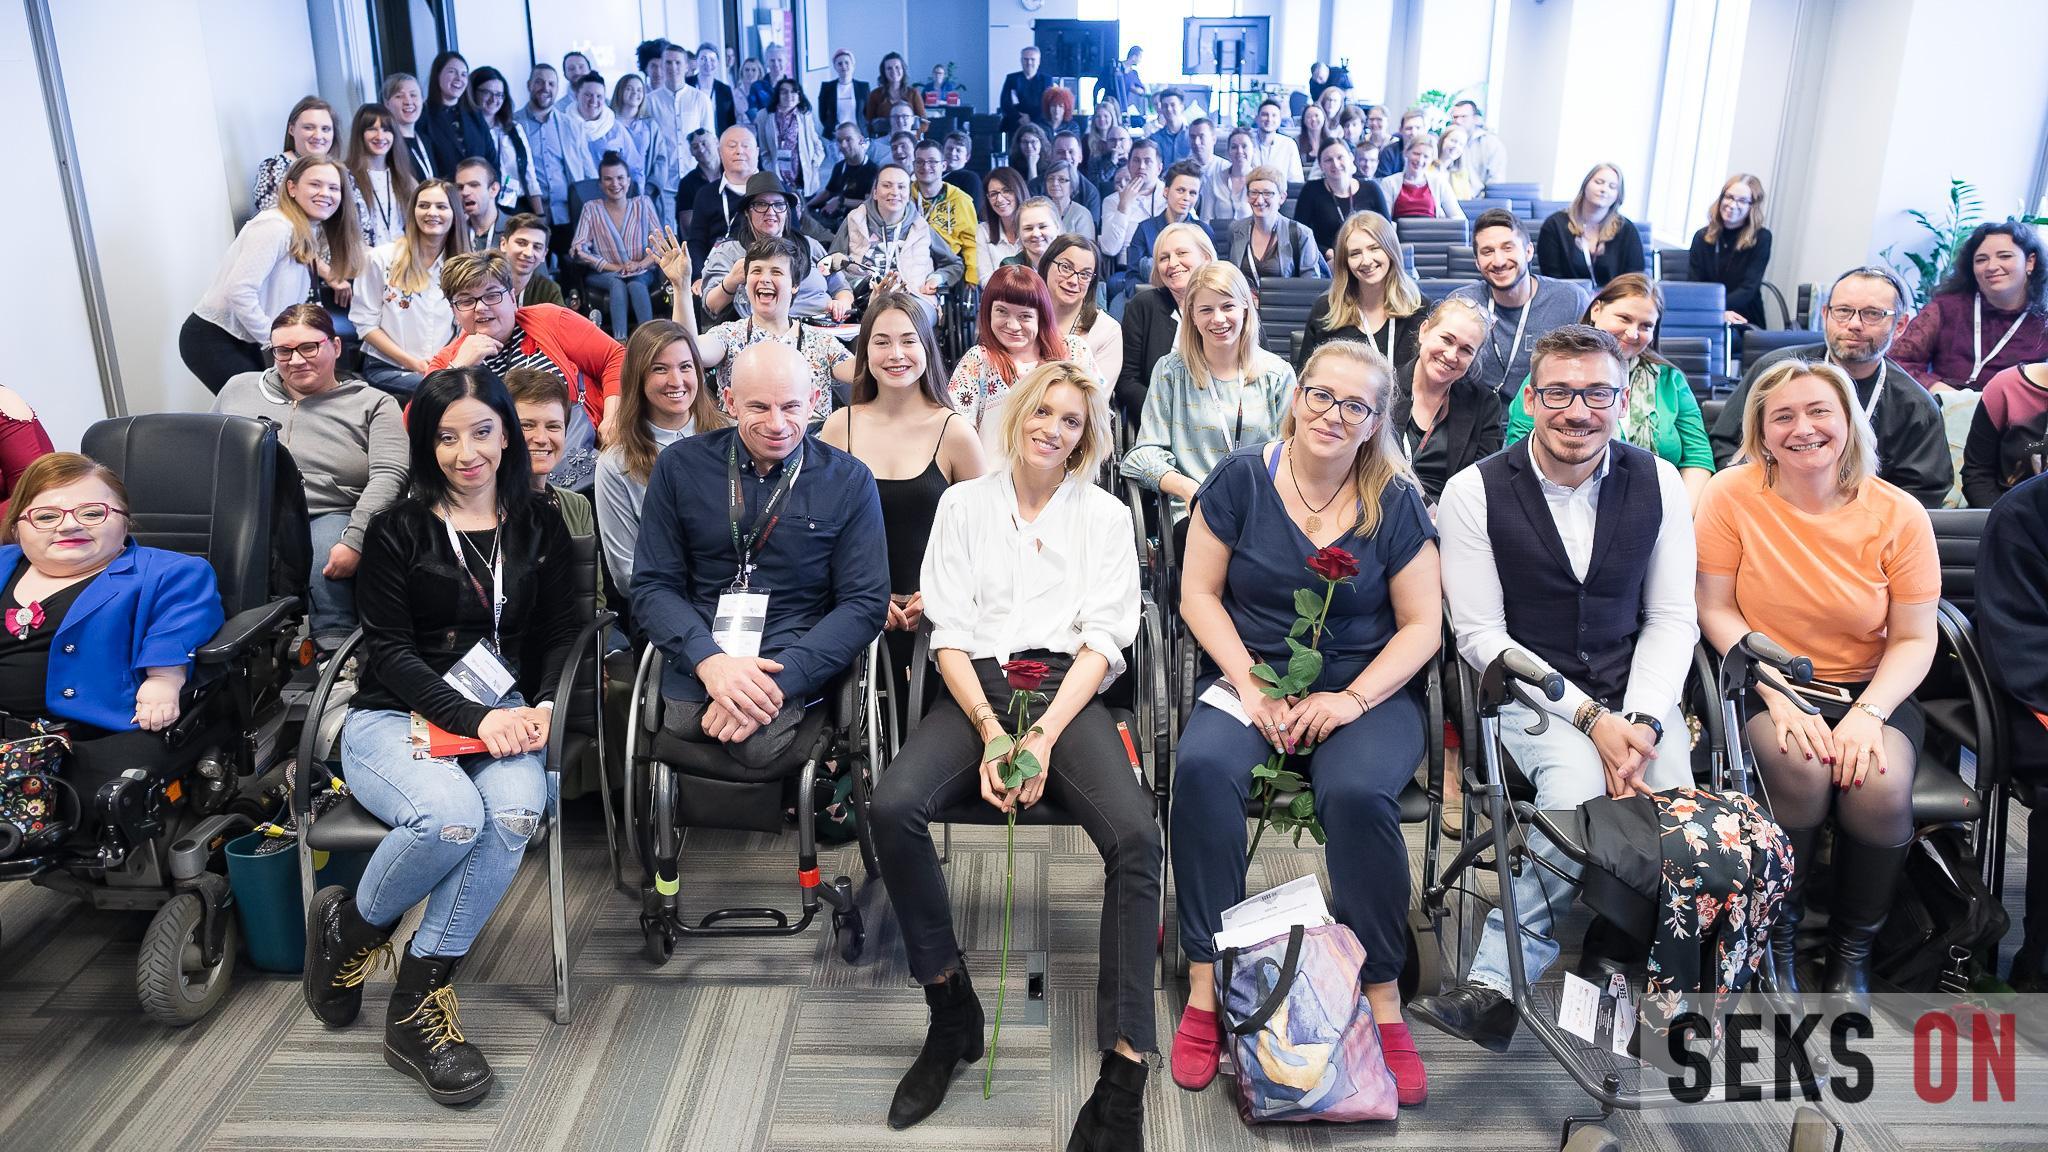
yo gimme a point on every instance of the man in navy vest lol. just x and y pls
(1578, 548)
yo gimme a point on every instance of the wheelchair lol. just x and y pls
(223, 488)
(672, 785)
(577, 731)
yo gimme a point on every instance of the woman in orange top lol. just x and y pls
(1802, 542)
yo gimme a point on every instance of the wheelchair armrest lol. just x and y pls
(580, 649)
(246, 626)
(309, 730)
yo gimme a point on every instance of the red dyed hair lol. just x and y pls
(1017, 285)
(1057, 96)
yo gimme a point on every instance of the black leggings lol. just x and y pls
(214, 354)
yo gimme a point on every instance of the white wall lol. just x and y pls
(42, 316)
(166, 193)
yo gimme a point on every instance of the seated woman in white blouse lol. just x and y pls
(398, 306)
(1032, 561)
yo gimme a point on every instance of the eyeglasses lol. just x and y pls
(1598, 397)
(1741, 201)
(49, 517)
(1352, 412)
(1072, 273)
(306, 352)
(490, 299)
(1257, 194)
(1842, 314)
(769, 207)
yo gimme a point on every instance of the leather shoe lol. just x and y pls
(1471, 1012)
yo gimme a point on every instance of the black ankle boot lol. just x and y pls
(1866, 876)
(954, 1036)
(1785, 929)
(423, 1033)
(342, 949)
(1113, 1118)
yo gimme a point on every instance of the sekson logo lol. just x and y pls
(1780, 1056)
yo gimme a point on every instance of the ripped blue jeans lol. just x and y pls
(458, 829)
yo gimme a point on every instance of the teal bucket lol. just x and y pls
(269, 903)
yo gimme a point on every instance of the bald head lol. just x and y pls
(769, 397)
(738, 154)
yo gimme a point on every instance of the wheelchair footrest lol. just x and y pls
(741, 922)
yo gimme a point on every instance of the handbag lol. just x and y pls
(32, 818)
(1305, 1044)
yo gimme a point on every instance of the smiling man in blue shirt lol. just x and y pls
(810, 525)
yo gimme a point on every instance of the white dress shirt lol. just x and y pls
(1117, 225)
(995, 585)
(1670, 624)
(1281, 152)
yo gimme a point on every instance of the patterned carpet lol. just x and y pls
(734, 1045)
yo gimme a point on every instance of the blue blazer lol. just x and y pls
(148, 609)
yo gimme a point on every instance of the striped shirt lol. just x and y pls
(598, 236)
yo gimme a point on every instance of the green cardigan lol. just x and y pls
(1680, 431)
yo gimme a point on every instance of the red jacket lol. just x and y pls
(582, 350)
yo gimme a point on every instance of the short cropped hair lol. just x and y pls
(1574, 340)
(471, 270)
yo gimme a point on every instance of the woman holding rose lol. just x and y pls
(1332, 500)
(1030, 562)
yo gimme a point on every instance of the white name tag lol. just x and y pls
(1220, 697)
(738, 623)
(480, 676)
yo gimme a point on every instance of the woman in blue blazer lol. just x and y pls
(95, 630)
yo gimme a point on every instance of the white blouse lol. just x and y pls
(995, 585)
(420, 322)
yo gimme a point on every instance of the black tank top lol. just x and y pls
(25, 646)
(908, 509)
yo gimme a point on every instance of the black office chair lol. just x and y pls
(577, 731)
(1284, 305)
(220, 487)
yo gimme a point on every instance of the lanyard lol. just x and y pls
(1977, 346)
(1393, 327)
(495, 603)
(1877, 389)
(766, 519)
(1507, 362)
(1435, 422)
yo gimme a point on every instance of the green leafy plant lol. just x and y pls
(1923, 270)
(1272, 779)
(1436, 106)
(1018, 765)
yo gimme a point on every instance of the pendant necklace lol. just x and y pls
(1315, 518)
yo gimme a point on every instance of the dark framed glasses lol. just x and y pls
(1352, 412)
(1597, 397)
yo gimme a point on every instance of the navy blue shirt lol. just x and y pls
(1269, 561)
(824, 566)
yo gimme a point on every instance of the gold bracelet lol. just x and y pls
(1867, 706)
(1363, 707)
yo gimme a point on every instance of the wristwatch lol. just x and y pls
(1655, 726)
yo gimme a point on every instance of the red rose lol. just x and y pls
(1333, 563)
(1026, 675)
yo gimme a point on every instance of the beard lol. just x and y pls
(1859, 349)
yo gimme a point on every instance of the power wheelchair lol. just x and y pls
(220, 487)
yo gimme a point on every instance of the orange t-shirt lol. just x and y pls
(1822, 586)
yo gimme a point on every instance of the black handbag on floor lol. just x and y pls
(1944, 923)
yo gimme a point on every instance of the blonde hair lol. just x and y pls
(1174, 231)
(1270, 175)
(1611, 225)
(472, 269)
(1225, 281)
(1751, 224)
(411, 260)
(1859, 455)
(1379, 461)
(1466, 304)
(339, 234)
(1029, 391)
(1403, 297)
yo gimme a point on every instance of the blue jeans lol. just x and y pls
(1565, 768)
(1357, 775)
(333, 607)
(458, 828)
(625, 292)
(388, 377)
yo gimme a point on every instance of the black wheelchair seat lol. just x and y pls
(708, 758)
(1940, 796)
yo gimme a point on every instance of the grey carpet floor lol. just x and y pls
(735, 1044)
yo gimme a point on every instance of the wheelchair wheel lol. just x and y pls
(851, 936)
(1592, 1138)
(172, 981)
(656, 944)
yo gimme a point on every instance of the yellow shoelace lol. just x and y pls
(438, 1015)
(364, 962)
